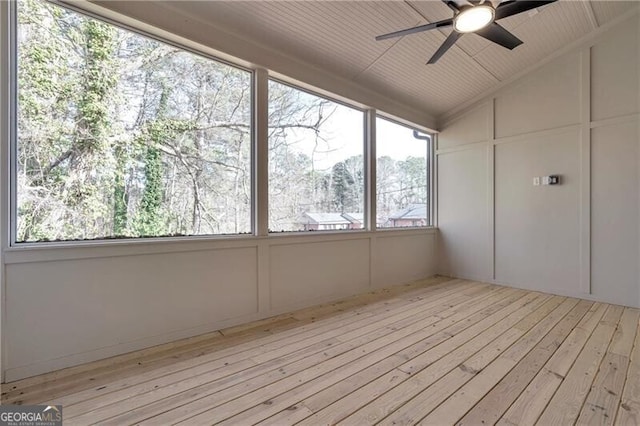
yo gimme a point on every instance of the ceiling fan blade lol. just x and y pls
(450, 41)
(499, 35)
(452, 5)
(420, 28)
(514, 7)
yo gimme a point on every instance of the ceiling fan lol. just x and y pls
(476, 16)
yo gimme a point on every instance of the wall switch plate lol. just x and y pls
(551, 180)
(536, 181)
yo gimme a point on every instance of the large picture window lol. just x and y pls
(316, 166)
(402, 185)
(120, 135)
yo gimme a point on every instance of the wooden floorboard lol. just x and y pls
(435, 352)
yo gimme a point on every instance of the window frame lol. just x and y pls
(429, 164)
(259, 77)
(365, 159)
(13, 131)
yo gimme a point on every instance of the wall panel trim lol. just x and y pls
(585, 170)
(615, 120)
(491, 192)
(511, 139)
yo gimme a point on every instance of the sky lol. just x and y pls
(344, 132)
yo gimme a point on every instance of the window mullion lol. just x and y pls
(7, 109)
(370, 170)
(261, 152)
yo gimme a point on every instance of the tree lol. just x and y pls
(149, 219)
(66, 83)
(89, 97)
(120, 135)
(342, 186)
(296, 185)
(413, 176)
(386, 184)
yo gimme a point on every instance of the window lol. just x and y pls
(120, 135)
(316, 166)
(402, 185)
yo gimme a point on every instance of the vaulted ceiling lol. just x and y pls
(338, 36)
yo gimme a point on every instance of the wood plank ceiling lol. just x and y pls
(338, 36)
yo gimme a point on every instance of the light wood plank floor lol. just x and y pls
(435, 352)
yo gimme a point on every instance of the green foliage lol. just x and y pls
(120, 194)
(149, 217)
(159, 132)
(99, 82)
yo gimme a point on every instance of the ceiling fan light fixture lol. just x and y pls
(473, 19)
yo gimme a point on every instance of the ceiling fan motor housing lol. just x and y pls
(473, 18)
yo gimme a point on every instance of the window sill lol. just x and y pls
(72, 250)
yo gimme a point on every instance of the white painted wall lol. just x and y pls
(463, 214)
(66, 306)
(537, 228)
(577, 116)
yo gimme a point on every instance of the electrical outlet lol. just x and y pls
(536, 181)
